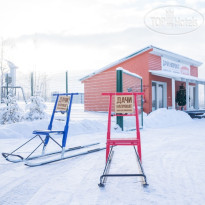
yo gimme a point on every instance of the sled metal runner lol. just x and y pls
(62, 105)
(21, 158)
(32, 163)
(106, 174)
(103, 178)
(126, 100)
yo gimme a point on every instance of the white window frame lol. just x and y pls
(164, 93)
(194, 96)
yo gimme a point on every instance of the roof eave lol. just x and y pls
(116, 62)
(155, 51)
(176, 57)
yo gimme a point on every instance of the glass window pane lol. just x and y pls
(154, 103)
(160, 96)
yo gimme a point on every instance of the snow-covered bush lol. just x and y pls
(36, 109)
(10, 112)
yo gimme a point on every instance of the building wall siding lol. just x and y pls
(95, 86)
(194, 71)
(106, 82)
(140, 64)
(154, 62)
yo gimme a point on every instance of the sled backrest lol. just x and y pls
(62, 104)
(123, 107)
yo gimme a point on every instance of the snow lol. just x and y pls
(36, 108)
(129, 73)
(10, 112)
(165, 118)
(172, 153)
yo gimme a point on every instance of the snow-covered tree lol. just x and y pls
(36, 108)
(181, 96)
(11, 112)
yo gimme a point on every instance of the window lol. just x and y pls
(159, 95)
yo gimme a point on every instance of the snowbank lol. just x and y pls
(87, 126)
(25, 128)
(160, 118)
(166, 162)
(163, 117)
(22, 129)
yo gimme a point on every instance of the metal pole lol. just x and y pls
(137, 128)
(204, 95)
(66, 76)
(119, 88)
(141, 104)
(7, 88)
(2, 74)
(7, 84)
(32, 84)
(109, 128)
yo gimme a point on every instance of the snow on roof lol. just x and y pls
(11, 65)
(6, 64)
(129, 73)
(155, 51)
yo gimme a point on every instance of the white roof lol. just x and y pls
(155, 51)
(178, 77)
(173, 56)
(129, 73)
(6, 64)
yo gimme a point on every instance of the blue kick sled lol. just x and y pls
(62, 105)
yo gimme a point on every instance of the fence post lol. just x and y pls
(32, 84)
(7, 84)
(66, 78)
(119, 89)
(7, 88)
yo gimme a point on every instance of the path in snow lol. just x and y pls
(173, 160)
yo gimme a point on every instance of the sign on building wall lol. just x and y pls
(123, 104)
(175, 67)
(63, 102)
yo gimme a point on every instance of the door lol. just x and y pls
(154, 96)
(159, 96)
(191, 97)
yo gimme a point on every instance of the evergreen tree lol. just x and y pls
(36, 108)
(181, 96)
(11, 112)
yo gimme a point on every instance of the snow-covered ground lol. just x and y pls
(173, 150)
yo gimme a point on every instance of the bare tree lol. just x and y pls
(4, 68)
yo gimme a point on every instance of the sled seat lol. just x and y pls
(47, 132)
(122, 141)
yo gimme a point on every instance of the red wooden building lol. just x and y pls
(162, 73)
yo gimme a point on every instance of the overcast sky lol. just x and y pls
(84, 35)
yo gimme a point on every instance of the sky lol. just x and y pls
(82, 36)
